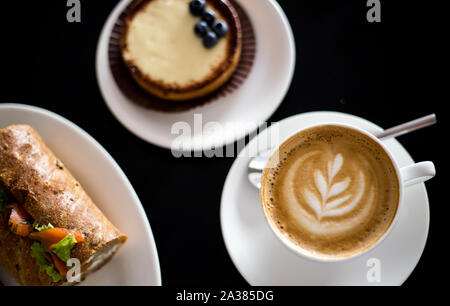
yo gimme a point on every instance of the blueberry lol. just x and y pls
(210, 39)
(201, 28)
(220, 28)
(209, 16)
(197, 7)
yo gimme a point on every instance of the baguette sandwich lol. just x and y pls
(46, 218)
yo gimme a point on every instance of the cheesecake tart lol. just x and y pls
(168, 59)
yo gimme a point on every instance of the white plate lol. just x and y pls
(255, 101)
(263, 260)
(137, 261)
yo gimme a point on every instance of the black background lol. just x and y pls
(384, 72)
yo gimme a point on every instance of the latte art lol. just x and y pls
(333, 201)
(332, 191)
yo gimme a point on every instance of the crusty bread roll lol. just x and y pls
(50, 194)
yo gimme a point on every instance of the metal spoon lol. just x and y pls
(257, 163)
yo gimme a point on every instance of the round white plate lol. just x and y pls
(137, 261)
(255, 101)
(263, 260)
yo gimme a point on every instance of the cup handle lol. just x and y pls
(417, 173)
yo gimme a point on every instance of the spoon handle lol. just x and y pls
(408, 127)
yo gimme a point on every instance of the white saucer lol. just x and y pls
(263, 260)
(255, 101)
(137, 261)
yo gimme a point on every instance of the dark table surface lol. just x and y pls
(379, 71)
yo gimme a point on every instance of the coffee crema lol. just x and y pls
(331, 191)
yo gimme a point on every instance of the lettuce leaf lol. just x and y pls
(43, 227)
(63, 248)
(37, 252)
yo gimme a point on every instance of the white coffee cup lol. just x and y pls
(408, 176)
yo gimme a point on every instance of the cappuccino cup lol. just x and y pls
(333, 191)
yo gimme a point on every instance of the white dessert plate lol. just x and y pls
(264, 260)
(137, 262)
(254, 101)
